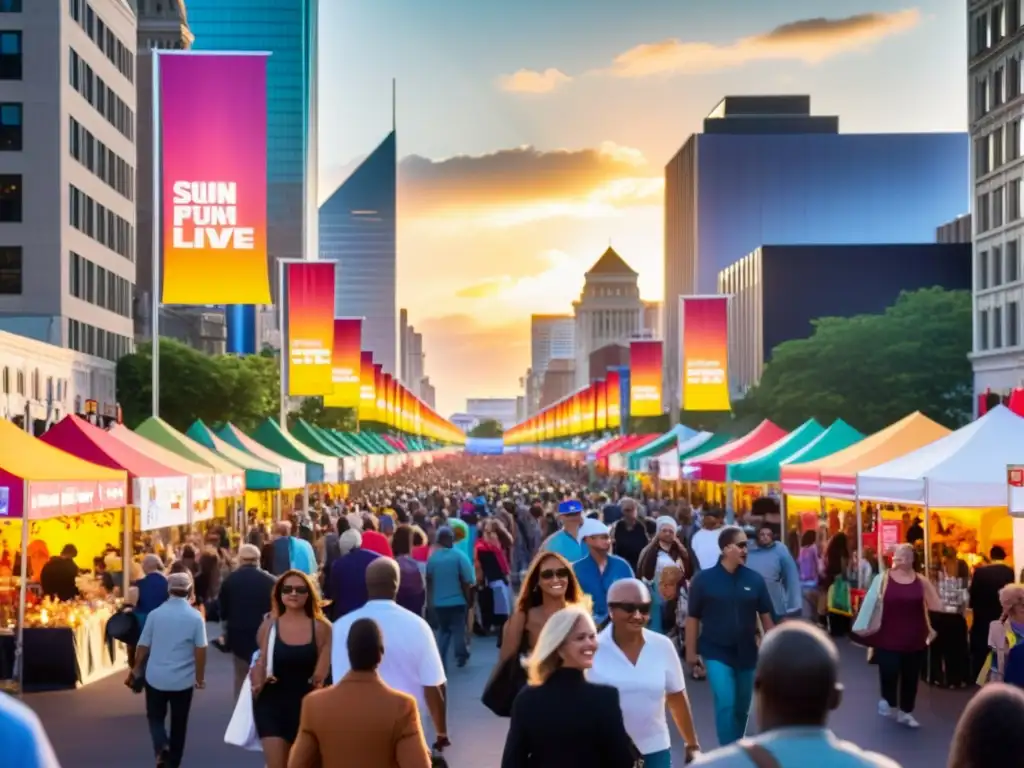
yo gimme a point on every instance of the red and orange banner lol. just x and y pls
(613, 394)
(310, 327)
(601, 390)
(213, 165)
(645, 365)
(367, 388)
(704, 352)
(346, 364)
(380, 403)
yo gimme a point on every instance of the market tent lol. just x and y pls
(612, 446)
(362, 439)
(160, 492)
(617, 458)
(398, 445)
(320, 468)
(667, 463)
(711, 466)
(228, 478)
(763, 467)
(835, 476)
(966, 468)
(597, 445)
(834, 439)
(381, 446)
(310, 438)
(57, 483)
(293, 473)
(693, 448)
(259, 475)
(658, 447)
(348, 440)
(200, 476)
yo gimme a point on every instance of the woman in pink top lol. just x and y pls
(903, 636)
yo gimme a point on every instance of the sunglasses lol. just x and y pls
(740, 544)
(642, 608)
(288, 589)
(554, 573)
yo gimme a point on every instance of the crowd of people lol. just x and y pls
(343, 624)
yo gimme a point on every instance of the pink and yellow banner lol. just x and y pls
(613, 396)
(213, 149)
(346, 363)
(645, 364)
(310, 326)
(601, 393)
(704, 352)
(380, 404)
(367, 388)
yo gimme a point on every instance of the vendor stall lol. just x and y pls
(636, 459)
(763, 468)
(259, 475)
(293, 473)
(37, 483)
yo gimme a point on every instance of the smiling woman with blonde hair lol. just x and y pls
(590, 731)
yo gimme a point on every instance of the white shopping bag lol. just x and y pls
(241, 730)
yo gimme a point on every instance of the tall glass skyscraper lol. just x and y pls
(287, 29)
(358, 232)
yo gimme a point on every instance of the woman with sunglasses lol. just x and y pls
(645, 668)
(301, 657)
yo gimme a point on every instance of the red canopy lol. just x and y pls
(712, 465)
(394, 442)
(612, 446)
(80, 438)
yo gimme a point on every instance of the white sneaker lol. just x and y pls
(884, 709)
(907, 719)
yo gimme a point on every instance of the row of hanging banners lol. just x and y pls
(212, 128)
(635, 391)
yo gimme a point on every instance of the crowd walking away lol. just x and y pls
(348, 624)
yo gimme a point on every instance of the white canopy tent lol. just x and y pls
(965, 469)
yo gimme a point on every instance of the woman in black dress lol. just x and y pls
(295, 657)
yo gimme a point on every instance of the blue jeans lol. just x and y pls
(451, 631)
(732, 691)
(661, 759)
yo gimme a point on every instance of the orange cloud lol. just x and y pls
(485, 290)
(809, 40)
(533, 81)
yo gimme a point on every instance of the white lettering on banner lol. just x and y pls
(704, 372)
(344, 376)
(646, 393)
(309, 355)
(46, 501)
(211, 207)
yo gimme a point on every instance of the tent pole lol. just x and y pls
(283, 414)
(19, 649)
(154, 321)
(860, 536)
(127, 550)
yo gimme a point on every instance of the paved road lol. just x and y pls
(102, 725)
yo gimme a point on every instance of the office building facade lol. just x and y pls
(959, 230)
(551, 337)
(288, 31)
(410, 349)
(779, 290)
(765, 170)
(68, 189)
(503, 410)
(358, 231)
(996, 109)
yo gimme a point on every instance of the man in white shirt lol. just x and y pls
(412, 663)
(705, 541)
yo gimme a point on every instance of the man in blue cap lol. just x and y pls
(566, 542)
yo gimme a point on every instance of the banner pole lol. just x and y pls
(283, 415)
(157, 221)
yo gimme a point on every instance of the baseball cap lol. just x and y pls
(179, 582)
(570, 507)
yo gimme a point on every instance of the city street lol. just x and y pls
(102, 725)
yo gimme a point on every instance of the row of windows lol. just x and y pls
(10, 197)
(10, 270)
(1003, 145)
(996, 331)
(102, 160)
(91, 340)
(998, 266)
(994, 24)
(10, 55)
(10, 6)
(100, 95)
(101, 224)
(92, 283)
(999, 206)
(1001, 85)
(57, 389)
(117, 52)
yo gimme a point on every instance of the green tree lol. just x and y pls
(872, 370)
(312, 411)
(487, 428)
(216, 389)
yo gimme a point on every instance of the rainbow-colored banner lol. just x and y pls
(310, 327)
(645, 364)
(367, 388)
(704, 352)
(346, 363)
(213, 165)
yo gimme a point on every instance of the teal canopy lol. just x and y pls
(310, 438)
(713, 442)
(764, 467)
(678, 434)
(833, 440)
(259, 475)
(270, 435)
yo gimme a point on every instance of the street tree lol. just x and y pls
(487, 428)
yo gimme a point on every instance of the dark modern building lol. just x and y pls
(765, 170)
(608, 356)
(287, 30)
(358, 232)
(777, 290)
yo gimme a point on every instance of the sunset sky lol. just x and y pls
(533, 133)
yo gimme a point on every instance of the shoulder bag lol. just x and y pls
(506, 682)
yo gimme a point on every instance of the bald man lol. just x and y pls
(796, 687)
(411, 661)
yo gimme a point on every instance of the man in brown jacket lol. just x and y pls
(360, 722)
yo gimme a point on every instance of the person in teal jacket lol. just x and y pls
(566, 542)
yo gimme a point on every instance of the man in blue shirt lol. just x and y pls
(566, 542)
(450, 579)
(726, 602)
(599, 569)
(23, 741)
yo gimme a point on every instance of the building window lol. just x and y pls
(1012, 324)
(1012, 16)
(997, 207)
(6, 381)
(981, 156)
(997, 266)
(980, 33)
(10, 6)
(10, 197)
(1012, 262)
(10, 126)
(1013, 148)
(10, 55)
(983, 210)
(983, 330)
(981, 96)
(21, 383)
(997, 328)
(1013, 200)
(982, 270)
(10, 270)
(997, 147)
(1012, 78)
(998, 91)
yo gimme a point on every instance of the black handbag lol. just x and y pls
(503, 687)
(124, 626)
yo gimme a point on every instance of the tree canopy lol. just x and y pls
(487, 428)
(872, 370)
(312, 411)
